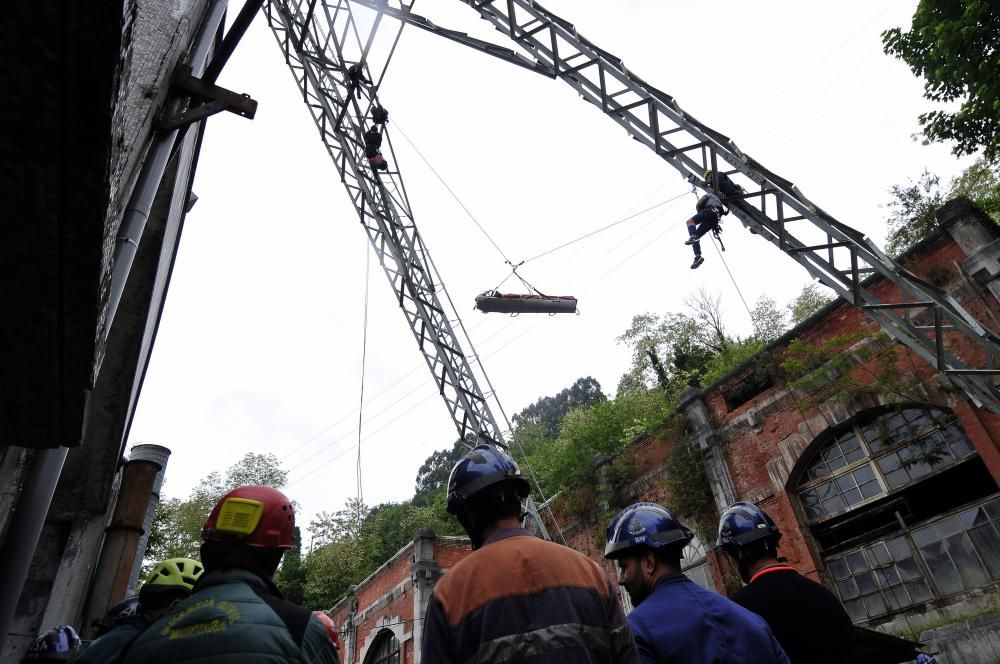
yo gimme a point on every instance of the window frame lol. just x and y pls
(393, 653)
(928, 577)
(941, 420)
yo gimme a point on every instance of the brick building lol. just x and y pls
(882, 476)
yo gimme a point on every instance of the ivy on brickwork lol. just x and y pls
(690, 490)
(847, 367)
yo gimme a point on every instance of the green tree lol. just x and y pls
(911, 212)
(549, 411)
(673, 350)
(953, 45)
(331, 569)
(433, 474)
(291, 577)
(912, 207)
(806, 303)
(768, 319)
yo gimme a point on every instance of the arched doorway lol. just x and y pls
(384, 650)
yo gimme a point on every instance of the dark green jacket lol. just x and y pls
(234, 617)
(108, 647)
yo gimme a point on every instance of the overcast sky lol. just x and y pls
(260, 344)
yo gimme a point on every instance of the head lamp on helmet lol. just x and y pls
(645, 525)
(256, 516)
(482, 467)
(743, 524)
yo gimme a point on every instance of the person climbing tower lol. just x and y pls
(373, 141)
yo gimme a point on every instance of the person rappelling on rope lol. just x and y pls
(373, 141)
(709, 211)
(355, 77)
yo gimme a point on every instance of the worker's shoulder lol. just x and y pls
(524, 564)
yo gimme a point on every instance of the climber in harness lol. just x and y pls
(355, 77)
(709, 211)
(380, 115)
(373, 141)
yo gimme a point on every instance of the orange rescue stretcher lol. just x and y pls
(514, 303)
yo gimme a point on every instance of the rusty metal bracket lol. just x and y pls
(213, 99)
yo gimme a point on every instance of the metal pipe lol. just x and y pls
(19, 544)
(159, 455)
(114, 567)
(141, 201)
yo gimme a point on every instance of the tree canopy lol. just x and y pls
(953, 45)
(549, 411)
(912, 207)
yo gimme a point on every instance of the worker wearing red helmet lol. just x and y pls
(236, 612)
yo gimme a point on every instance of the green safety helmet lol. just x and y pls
(173, 574)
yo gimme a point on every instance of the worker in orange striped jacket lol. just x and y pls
(518, 598)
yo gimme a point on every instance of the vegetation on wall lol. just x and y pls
(690, 489)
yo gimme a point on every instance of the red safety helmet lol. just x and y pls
(331, 629)
(257, 516)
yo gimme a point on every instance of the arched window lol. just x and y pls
(903, 510)
(385, 649)
(883, 454)
(695, 566)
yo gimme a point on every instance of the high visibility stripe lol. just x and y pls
(776, 568)
(554, 637)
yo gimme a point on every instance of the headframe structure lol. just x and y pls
(320, 39)
(924, 318)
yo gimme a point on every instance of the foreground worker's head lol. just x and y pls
(59, 644)
(250, 528)
(646, 540)
(748, 535)
(485, 487)
(168, 583)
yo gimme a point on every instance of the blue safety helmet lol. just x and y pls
(481, 467)
(745, 523)
(59, 644)
(645, 525)
(116, 615)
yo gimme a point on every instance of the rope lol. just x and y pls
(736, 286)
(604, 228)
(364, 356)
(453, 194)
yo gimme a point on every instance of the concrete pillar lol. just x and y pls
(76, 567)
(121, 542)
(979, 238)
(703, 435)
(424, 574)
(157, 454)
(349, 647)
(24, 527)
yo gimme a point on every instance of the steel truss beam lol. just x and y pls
(320, 39)
(926, 319)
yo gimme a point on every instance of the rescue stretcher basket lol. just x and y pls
(513, 303)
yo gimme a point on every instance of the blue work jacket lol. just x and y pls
(682, 622)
